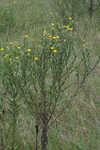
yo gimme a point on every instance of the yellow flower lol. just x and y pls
(44, 32)
(2, 49)
(35, 58)
(17, 57)
(57, 37)
(84, 45)
(6, 55)
(29, 50)
(53, 24)
(49, 36)
(11, 43)
(29, 54)
(26, 36)
(54, 50)
(51, 47)
(19, 47)
(54, 37)
(70, 18)
(10, 60)
(67, 27)
(70, 29)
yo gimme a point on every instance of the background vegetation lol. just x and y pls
(76, 123)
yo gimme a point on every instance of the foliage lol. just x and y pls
(44, 82)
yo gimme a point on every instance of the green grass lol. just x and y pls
(78, 128)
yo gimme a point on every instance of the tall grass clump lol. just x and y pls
(22, 16)
(7, 19)
(2, 112)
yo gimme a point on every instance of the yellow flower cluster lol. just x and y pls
(49, 35)
(27, 51)
(52, 48)
(67, 27)
(10, 59)
(55, 37)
